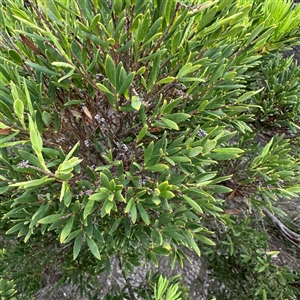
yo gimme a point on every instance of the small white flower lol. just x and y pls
(202, 133)
(142, 182)
(89, 192)
(23, 164)
(98, 118)
(102, 120)
(59, 140)
(99, 76)
(124, 147)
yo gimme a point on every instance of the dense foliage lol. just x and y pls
(126, 129)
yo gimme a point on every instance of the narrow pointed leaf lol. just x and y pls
(93, 247)
(66, 230)
(143, 213)
(77, 245)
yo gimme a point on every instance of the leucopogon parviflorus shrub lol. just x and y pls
(125, 125)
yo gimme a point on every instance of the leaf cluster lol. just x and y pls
(242, 262)
(123, 124)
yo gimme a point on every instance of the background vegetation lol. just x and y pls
(136, 130)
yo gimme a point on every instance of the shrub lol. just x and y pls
(244, 268)
(123, 123)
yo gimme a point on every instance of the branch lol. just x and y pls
(290, 235)
(128, 283)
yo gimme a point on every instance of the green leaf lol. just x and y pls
(102, 194)
(221, 22)
(148, 152)
(142, 133)
(108, 205)
(5, 75)
(205, 240)
(66, 230)
(62, 64)
(88, 208)
(154, 29)
(294, 189)
(158, 168)
(125, 46)
(7, 138)
(179, 159)
(66, 194)
(125, 85)
(117, 7)
(265, 35)
(104, 181)
(195, 246)
(168, 109)
(103, 88)
(64, 176)
(255, 32)
(161, 251)
(193, 204)
(128, 206)
(4, 190)
(69, 155)
(209, 145)
(172, 232)
(95, 39)
(47, 117)
(195, 151)
(266, 149)
(176, 41)
(119, 197)
(166, 194)
(19, 109)
(110, 70)
(169, 123)
(225, 153)
(136, 102)
(50, 219)
(33, 183)
(133, 212)
(41, 69)
(166, 80)
(218, 72)
(36, 140)
(143, 213)
(162, 287)
(143, 26)
(184, 70)
(15, 228)
(247, 95)
(191, 79)
(39, 214)
(115, 225)
(69, 74)
(219, 189)
(178, 117)
(52, 6)
(24, 20)
(67, 165)
(72, 235)
(15, 56)
(154, 72)
(93, 247)
(6, 111)
(73, 102)
(95, 21)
